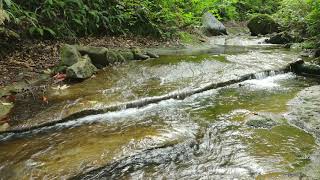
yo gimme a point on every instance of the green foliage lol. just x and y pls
(162, 18)
(313, 18)
(301, 17)
(292, 15)
(246, 8)
(65, 18)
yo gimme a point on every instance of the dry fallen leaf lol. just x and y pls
(61, 87)
(6, 104)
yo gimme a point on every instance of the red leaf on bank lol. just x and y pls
(60, 77)
(11, 98)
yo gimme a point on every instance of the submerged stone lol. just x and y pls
(261, 121)
(82, 69)
(262, 24)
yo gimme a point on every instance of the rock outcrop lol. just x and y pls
(212, 26)
(304, 110)
(81, 62)
(262, 24)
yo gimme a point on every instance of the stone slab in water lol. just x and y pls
(305, 111)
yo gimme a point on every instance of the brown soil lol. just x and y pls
(30, 57)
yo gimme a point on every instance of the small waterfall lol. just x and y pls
(267, 73)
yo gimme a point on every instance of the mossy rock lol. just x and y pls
(262, 24)
(309, 69)
(69, 55)
(98, 55)
(83, 69)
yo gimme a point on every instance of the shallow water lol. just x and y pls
(204, 136)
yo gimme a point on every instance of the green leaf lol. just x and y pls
(8, 3)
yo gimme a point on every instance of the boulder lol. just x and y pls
(306, 69)
(98, 55)
(102, 57)
(212, 26)
(69, 55)
(280, 38)
(83, 69)
(262, 24)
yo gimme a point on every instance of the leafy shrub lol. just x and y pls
(292, 15)
(65, 18)
(313, 18)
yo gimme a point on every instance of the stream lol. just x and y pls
(239, 131)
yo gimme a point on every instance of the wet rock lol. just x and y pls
(69, 55)
(306, 69)
(138, 55)
(152, 55)
(304, 110)
(262, 24)
(280, 38)
(212, 26)
(82, 69)
(261, 121)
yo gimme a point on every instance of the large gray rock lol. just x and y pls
(83, 69)
(212, 26)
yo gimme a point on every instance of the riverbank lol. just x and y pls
(28, 58)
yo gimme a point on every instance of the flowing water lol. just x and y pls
(204, 136)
